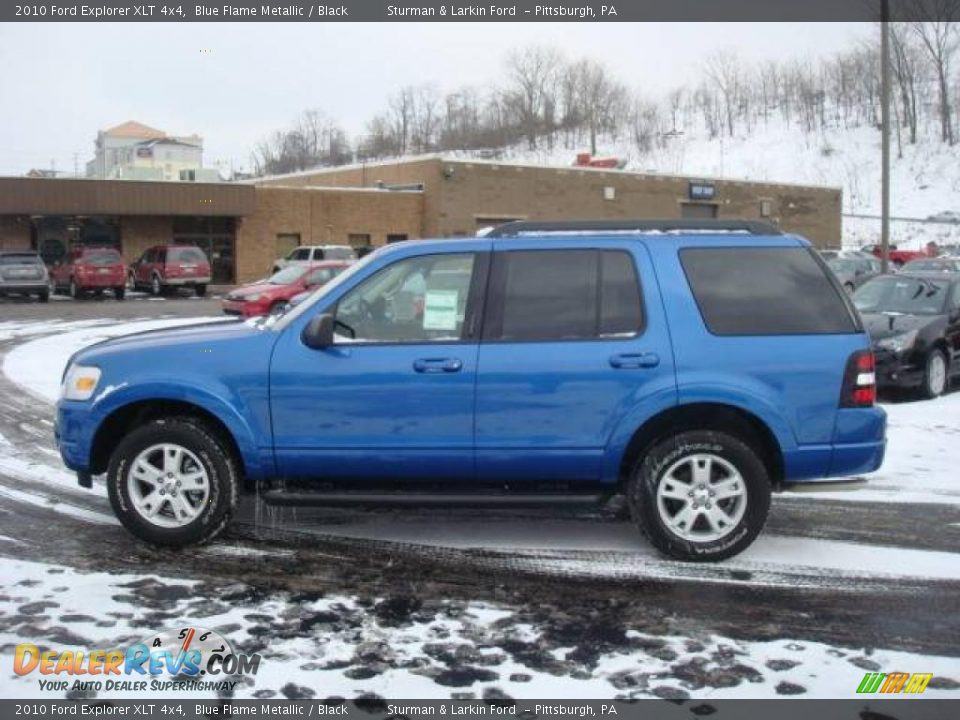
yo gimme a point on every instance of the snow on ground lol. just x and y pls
(38, 366)
(349, 647)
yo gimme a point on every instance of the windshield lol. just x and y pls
(287, 275)
(901, 295)
(24, 259)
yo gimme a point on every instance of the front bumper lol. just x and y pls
(73, 430)
(243, 309)
(902, 370)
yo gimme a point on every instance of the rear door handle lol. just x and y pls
(626, 361)
(438, 365)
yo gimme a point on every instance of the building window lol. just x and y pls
(358, 240)
(766, 208)
(285, 243)
(396, 237)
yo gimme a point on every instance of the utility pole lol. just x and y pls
(885, 136)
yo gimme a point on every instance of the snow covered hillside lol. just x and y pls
(925, 183)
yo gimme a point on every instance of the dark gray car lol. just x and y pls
(852, 272)
(22, 272)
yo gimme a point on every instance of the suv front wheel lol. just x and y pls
(700, 496)
(172, 482)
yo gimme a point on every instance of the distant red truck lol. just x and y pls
(89, 269)
(897, 257)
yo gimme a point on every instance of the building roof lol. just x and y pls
(133, 129)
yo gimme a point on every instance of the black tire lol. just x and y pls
(932, 387)
(52, 286)
(120, 292)
(75, 292)
(649, 474)
(201, 290)
(44, 296)
(222, 471)
(131, 282)
(156, 287)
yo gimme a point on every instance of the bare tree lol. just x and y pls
(530, 90)
(939, 38)
(600, 100)
(723, 70)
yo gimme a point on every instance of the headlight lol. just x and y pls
(250, 298)
(899, 343)
(80, 382)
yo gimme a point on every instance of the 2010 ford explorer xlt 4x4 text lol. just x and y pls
(693, 367)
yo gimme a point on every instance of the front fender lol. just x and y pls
(231, 409)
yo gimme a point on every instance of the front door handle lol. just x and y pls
(438, 365)
(626, 361)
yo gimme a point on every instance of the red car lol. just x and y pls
(87, 269)
(897, 257)
(270, 295)
(163, 267)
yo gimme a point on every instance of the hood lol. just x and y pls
(180, 341)
(881, 326)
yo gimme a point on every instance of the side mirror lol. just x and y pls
(318, 334)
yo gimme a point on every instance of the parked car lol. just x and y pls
(22, 272)
(933, 265)
(831, 254)
(550, 363)
(308, 254)
(271, 295)
(897, 257)
(164, 267)
(852, 272)
(914, 323)
(89, 269)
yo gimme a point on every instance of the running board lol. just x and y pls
(413, 499)
(844, 485)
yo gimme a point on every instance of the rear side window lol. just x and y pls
(765, 291)
(21, 259)
(563, 295)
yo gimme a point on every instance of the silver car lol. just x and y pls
(852, 272)
(22, 272)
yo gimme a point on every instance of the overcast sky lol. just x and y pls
(234, 83)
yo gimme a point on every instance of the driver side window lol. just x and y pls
(420, 299)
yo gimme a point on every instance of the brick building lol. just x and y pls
(243, 227)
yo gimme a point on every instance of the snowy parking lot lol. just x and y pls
(465, 604)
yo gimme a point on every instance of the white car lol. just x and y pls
(307, 254)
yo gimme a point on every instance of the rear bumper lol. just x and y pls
(187, 281)
(98, 282)
(859, 444)
(31, 286)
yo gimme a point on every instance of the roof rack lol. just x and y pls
(524, 227)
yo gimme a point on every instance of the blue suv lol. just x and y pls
(692, 366)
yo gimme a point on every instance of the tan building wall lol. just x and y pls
(321, 216)
(462, 196)
(14, 232)
(139, 233)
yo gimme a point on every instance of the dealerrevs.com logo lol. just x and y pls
(895, 682)
(187, 658)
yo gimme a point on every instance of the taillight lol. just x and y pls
(859, 381)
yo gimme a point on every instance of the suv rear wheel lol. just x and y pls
(700, 495)
(155, 286)
(173, 482)
(201, 290)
